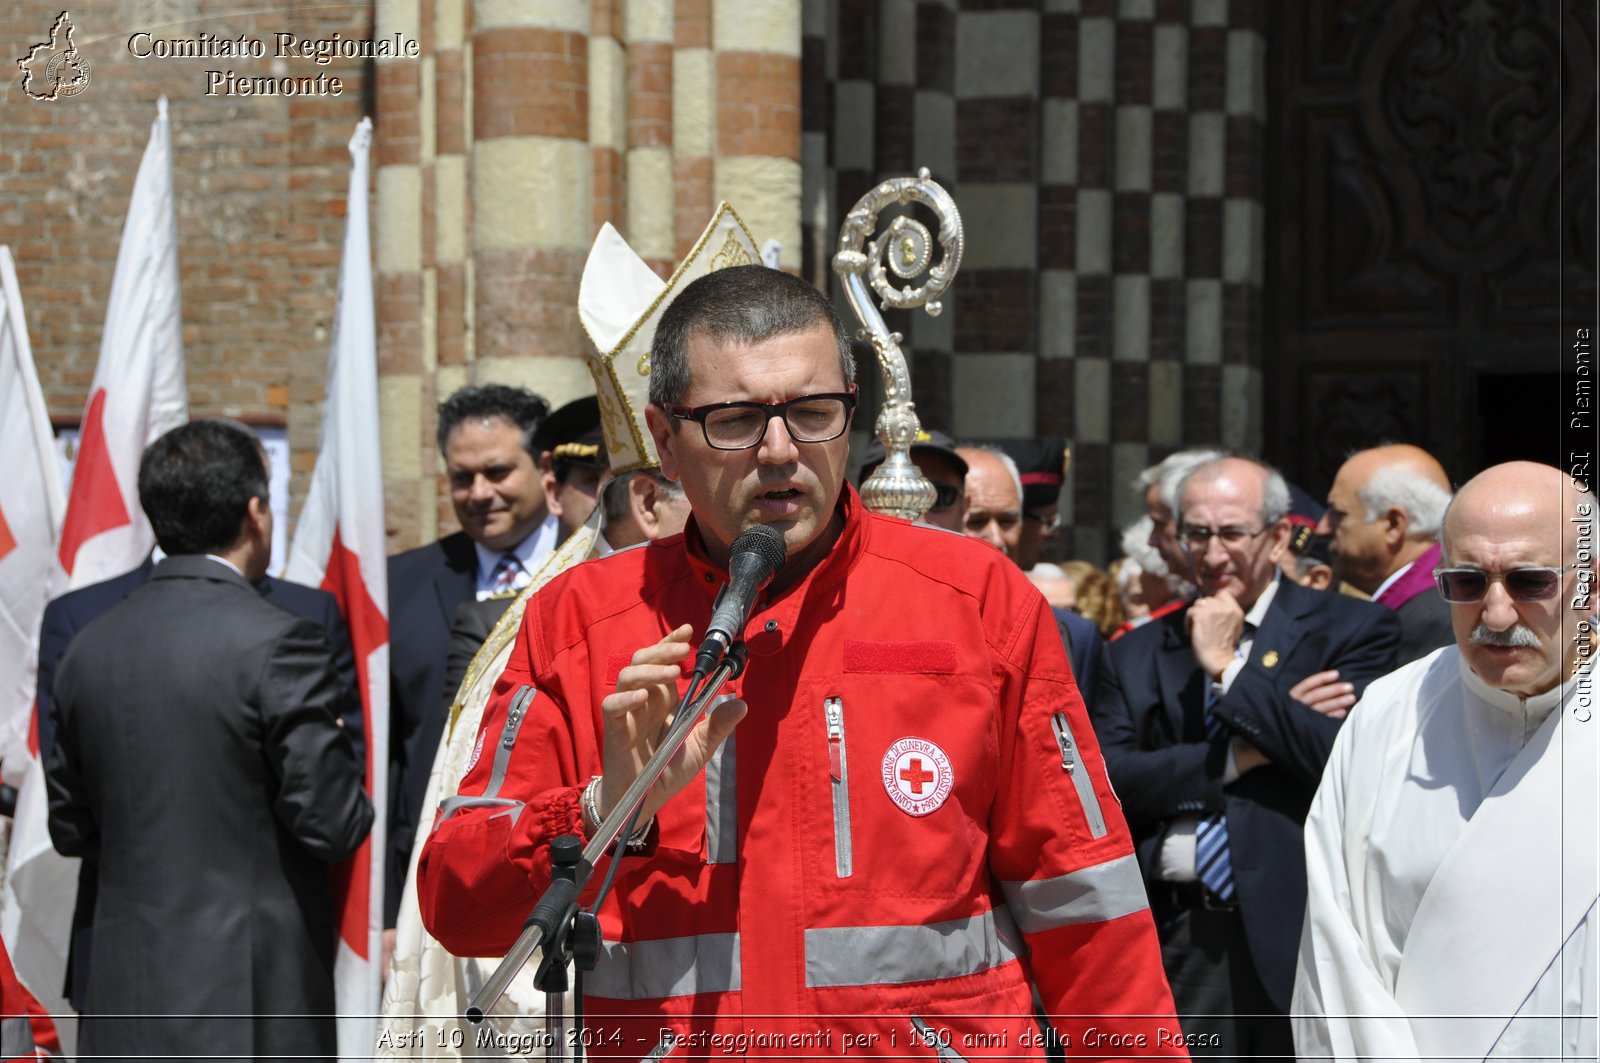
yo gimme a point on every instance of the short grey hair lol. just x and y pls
(1167, 474)
(1397, 486)
(1006, 460)
(1144, 558)
(614, 495)
(1274, 489)
(742, 305)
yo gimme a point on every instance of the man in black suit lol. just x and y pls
(69, 614)
(199, 759)
(489, 438)
(994, 500)
(1207, 723)
(1385, 510)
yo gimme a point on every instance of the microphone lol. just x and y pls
(755, 558)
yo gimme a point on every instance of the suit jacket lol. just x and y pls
(199, 759)
(65, 616)
(1150, 719)
(1086, 648)
(1424, 627)
(474, 624)
(426, 587)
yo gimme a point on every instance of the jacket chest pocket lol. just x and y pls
(899, 771)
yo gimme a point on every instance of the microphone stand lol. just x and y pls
(557, 909)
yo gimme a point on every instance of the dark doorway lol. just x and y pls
(1432, 196)
(1520, 418)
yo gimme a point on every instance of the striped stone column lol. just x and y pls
(1092, 287)
(608, 112)
(1243, 217)
(1130, 253)
(996, 87)
(1203, 222)
(531, 179)
(648, 35)
(933, 131)
(452, 203)
(404, 382)
(1058, 190)
(757, 46)
(819, 64)
(694, 115)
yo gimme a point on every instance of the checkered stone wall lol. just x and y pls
(1107, 159)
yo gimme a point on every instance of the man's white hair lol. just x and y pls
(1142, 557)
(1422, 500)
(1170, 472)
(1005, 459)
(1274, 489)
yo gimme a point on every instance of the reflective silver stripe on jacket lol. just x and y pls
(502, 761)
(16, 1035)
(1090, 895)
(671, 967)
(722, 802)
(508, 738)
(891, 955)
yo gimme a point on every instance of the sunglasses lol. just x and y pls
(944, 496)
(1467, 586)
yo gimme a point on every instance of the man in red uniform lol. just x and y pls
(898, 823)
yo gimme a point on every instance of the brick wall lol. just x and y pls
(260, 187)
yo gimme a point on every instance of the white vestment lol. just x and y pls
(1451, 864)
(428, 989)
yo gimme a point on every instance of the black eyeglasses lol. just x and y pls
(741, 425)
(1049, 524)
(944, 496)
(1197, 538)
(1466, 586)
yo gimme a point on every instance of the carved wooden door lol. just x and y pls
(1432, 204)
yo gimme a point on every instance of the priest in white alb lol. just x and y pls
(1450, 850)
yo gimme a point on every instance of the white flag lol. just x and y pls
(31, 505)
(339, 546)
(138, 394)
(139, 391)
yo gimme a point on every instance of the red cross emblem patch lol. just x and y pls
(917, 775)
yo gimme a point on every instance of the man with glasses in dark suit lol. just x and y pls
(1216, 757)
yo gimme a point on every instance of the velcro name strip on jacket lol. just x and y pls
(934, 657)
(1093, 894)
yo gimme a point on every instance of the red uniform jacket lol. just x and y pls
(912, 821)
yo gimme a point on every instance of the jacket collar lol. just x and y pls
(197, 566)
(1416, 579)
(819, 583)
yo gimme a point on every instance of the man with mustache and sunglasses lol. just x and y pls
(1451, 846)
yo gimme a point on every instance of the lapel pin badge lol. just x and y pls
(1269, 659)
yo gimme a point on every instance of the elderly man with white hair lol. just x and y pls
(1450, 850)
(1384, 512)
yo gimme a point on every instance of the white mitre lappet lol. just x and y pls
(620, 300)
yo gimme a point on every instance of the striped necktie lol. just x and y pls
(504, 576)
(1213, 863)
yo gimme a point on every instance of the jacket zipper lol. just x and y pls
(838, 772)
(932, 1039)
(1070, 763)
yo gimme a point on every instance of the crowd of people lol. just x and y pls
(1235, 795)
